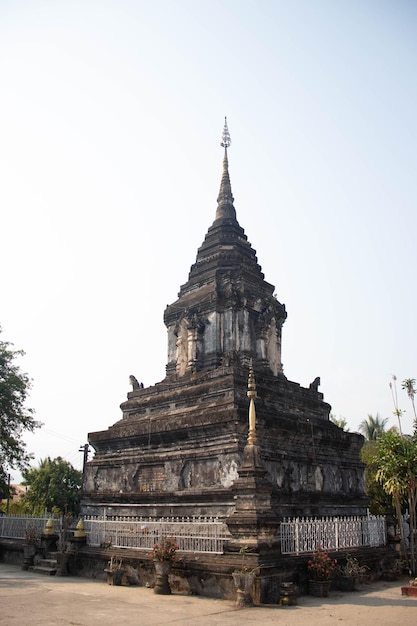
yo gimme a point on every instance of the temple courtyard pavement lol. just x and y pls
(29, 599)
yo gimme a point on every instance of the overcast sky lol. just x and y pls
(111, 114)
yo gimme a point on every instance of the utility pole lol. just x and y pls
(8, 494)
(84, 449)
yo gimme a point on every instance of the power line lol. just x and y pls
(60, 435)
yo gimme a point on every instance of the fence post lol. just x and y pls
(297, 536)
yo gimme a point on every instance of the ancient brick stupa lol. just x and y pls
(179, 448)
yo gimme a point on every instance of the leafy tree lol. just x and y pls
(339, 421)
(395, 456)
(380, 503)
(17, 507)
(55, 486)
(373, 427)
(15, 418)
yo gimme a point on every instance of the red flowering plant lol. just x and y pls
(321, 565)
(164, 550)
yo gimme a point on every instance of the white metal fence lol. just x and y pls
(208, 534)
(301, 535)
(16, 526)
(201, 534)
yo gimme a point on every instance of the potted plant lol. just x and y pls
(244, 578)
(114, 571)
(320, 568)
(163, 555)
(348, 574)
(31, 539)
(63, 554)
(394, 570)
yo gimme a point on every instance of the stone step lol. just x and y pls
(46, 566)
(40, 569)
(48, 563)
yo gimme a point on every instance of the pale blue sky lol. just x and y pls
(110, 120)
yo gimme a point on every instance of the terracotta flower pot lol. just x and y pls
(345, 583)
(319, 588)
(162, 569)
(244, 585)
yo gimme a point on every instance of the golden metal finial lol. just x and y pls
(251, 393)
(80, 531)
(49, 527)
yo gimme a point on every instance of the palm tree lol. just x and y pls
(373, 427)
(397, 411)
(409, 385)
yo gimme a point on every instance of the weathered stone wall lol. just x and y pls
(11, 551)
(179, 445)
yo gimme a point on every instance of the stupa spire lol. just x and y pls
(225, 198)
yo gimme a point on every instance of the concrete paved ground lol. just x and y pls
(29, 599)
